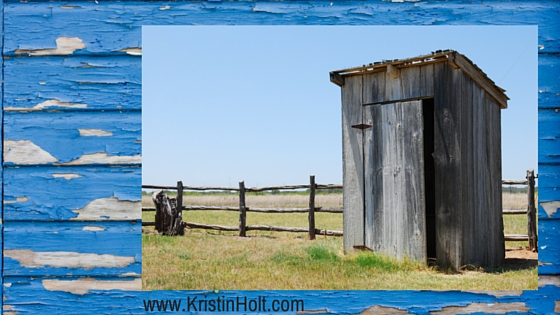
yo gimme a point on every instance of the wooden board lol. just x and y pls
(72, 193)
(73, 83)
(352, 164)
(108, 27)
(72, 138)
(447, 163)
(395, 216)
(43, 249)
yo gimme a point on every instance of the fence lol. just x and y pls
(243, 209)
(531, 236)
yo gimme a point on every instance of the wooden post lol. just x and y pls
(531, 211)
(242, 209)
(179, 208)
(179, 195)
(169, 219)
(311, 216)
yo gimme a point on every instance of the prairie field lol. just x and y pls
(209, 260)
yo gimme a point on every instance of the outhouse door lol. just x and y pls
(395, 210)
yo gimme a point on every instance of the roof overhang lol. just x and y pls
(455, 59)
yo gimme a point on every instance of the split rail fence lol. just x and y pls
(531, 236)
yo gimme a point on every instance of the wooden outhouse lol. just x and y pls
(422, 159)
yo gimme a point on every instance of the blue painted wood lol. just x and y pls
(58, 134)
(549, 81)
(58, 196)
(549, 251)
(549, 135)
(108, 28)
(549, 191)
(108, 83)
(22, 293)
(47, 244)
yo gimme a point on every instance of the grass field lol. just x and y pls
(204, 259)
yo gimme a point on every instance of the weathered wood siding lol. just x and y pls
(111, 33)
(352, 172)
(395, 214)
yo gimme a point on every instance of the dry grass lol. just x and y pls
(258, 201)
(274, 260)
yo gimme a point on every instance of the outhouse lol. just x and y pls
(422, 159)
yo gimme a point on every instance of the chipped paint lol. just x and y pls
(64, 46)
(499, 294)
(17, 200)
(67, 176)
(110, 209)
(25, 152)
(383, 310)
(165, 7)
(133, 51)
(85, 285)
(47, 104)
(493, 308)
(557, 307)
(130, 274)
(70, 7)
(31, 259)
(104, 158)
(110, 27)
(550, 207)
(93, 228)
(94, 133)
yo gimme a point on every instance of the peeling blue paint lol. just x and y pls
(108, 83)
(59, 135)
(106, 79)
(117, 238)
(108, 28)
(549, 81)
(330, 302)
(58, 197)
(549, 136)
(549, 252)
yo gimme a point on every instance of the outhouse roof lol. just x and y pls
(457, 60)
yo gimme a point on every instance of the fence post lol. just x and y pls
(531, 211)
(311, 216)
(179, 196)
(242, 212)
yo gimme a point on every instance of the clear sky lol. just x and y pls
(221, 104)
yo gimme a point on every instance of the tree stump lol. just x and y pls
(169, 219)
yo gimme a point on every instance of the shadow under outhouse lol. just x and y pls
(422, 159)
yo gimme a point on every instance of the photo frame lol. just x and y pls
(72, 153)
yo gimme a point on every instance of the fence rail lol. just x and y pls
(531, 236)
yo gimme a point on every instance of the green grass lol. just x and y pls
(214, 260)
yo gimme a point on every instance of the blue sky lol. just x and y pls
(221, 104)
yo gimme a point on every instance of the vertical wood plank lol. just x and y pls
(373, 87)
(531, 212)
(394, 180)
(413, 242)
(411, 84)
(311, 215)
(352, 164)
(495, 246)
(447, 169)
(242, 210)
(393, 88)
(427, 79)
(373, 170)
(179, 199)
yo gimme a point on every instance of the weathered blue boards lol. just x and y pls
(71, 163)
